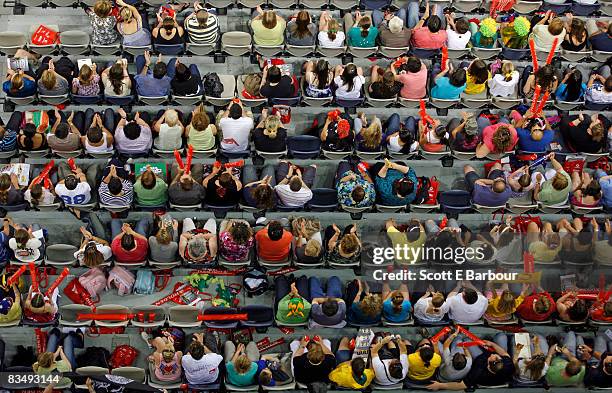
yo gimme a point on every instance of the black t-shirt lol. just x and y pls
(284, 89)
(578, 137)
(264, 143)
(480, 375)
(380, 91)
(306, 373)
(189, 87)
(334, 142)
(191, 197)
(216, 195)
(595, 376)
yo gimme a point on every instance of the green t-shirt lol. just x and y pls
(556, 374)
(293, 310)
(541, 252)
(201, 140)
(413, 248)
(550, 196)
(59, 366)
(158, 195)
(265, 36)
(245, 379)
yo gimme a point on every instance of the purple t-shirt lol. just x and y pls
(484, 195)
(142, 144)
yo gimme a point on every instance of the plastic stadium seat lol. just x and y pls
(67, 154)
(391, 52)
(229, 91)
(134, 373)
(411, 103)
(158, 320)
(304, 146)
(363, 53)
(60, 254)
(271, 155)
(87, 100)
(169, 50)
(54, 100)
(408, 322)
(63, 3)
(331, 52)
(136, 50)
(344, 4)
(164, 265)
(567, 105)
(69, 312)
(114, 209)
(455, 201)
(558, 9)
(221, 3)
(220, 324)
(236, 43)
(389, 209)
(184, 208)
(155, 3)
(575, 57)
(120, 101)
(466, 6)
(312, 101)
(11, 41)
(475, 101)
(251, 3)
(187, 100)
(314, 3)
(458, 53)
(300, 50)
(152, 101)
(424, 208)
(35, 153)
(20, 101)
(553, 209)
(4, 155)
(156, 383)
(199, 49)
(291, 101)
(527, 7)
(183, 316)
(369, 155)
(269, 50)
(205, 153)
(443, 103)
(33, 3)
(281, 3)
(464, 155)
(486, 53)
(236, 264)
(42, 49)
(425, 53)
(515, 54)
(336, 155)
(106, 50)
(74, 42)
(112, 309)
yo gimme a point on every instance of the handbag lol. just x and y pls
(145, 282)
(79, 295)
(522, 222)
(44, 35)
(283, 112)
(122, 278)
(94, 282)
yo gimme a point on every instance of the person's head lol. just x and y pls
(115, 186)
(186, 182)
(271, 126)
(329, 307)
(274, 75)
(62, 131)
(127, 242)
(578, 29)
(200, 121)
(275, 230)
(321, 70)
(242, 364)
(459, 361)
(102, 8)
(163, 235)
(131, 130)
(593, 189)
(506, 302)
(396, 370)
(226, 180)
(396, 25)
(507, 69)
(502, 139)
(536, 128)
(457, 77)
(559, 181)
(397, 300)
(574, 85)
(578, 311)
(545, 76)
(45, 359)
(607, 363)
(364, 24)
(263, 195)
(29, 130)
(470, 296)
(434, 23)
(202, 17)
(241, 232)
(36, 192)
(498, 186)
(358, 194)
(348, 76)
(315, 355)
(332, 29)
(542, 304)
(312, 248)
(196, 247)
(148, 180)
(462, 25)
(268, 19)
(437, 300)
(16, 83)
(596, 130)
(535, 366)
(235, 111)
(172, 118)
(265, 377)
(168, 24)
(48, 79)
(479, 71)
(413, 230)
(556, 26)
(349, 244)
(94, 134)
(358, 366)
(86, 75)
(115, 76)
(495, 364)
(159, 70)
(91, 256)
(608, 82)
(413, 64)
(5, 185)
(168, 355)
(295, 184)
(300, 27)
(573, 367)
(372, 135)
(71, 182)
(607, 308)
(196, 350)
(426, 353)
(126, 14)
(524, 181)
(38, 300)
(402, 187)
(388, 78)
(182, 72)
(371, 305)
(21, 237)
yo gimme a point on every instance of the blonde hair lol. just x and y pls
(372, 135)
(268, 19)
(48, 79)
(126, 14)
(349, 243)
(242, 364)
(506, 302)
(559, 182)
(272, 124)
(555, 27)
(332, 29)
(103, 8)
(163, 236)
(16, 83)
(171, 117)
(313, 248)
(45, 359)
(371, 305)
(507, 69)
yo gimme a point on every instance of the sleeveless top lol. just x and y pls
(170, 371)
(98, 149)
(160, 40)
(141, 37)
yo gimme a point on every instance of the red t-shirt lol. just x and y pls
(423, 38)
(526, 312)
(487, 136)
(138, 254)
(597, 314)
(273, 250)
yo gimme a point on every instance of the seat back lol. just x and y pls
(11, 41)
(304, 146)
(455, 200)
(74, 38)
(169, 50)
(134, 373)
(323, 199)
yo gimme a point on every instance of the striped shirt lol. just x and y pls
(293, 198)
(9, 141)
(125, 199)
(202, 35)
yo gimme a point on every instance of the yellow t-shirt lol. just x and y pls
(541, 252)
(265, 36)
(475, 88)
(342, 376)
(493, 312)
(417, 369)
(413, 249)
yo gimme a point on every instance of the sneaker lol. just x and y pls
(146, 337)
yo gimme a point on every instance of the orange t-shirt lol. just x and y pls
(273, 250)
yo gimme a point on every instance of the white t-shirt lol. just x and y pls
(293, 198)
(203, 371)
(104, 250)
(29, 253)
(499, 87)
(341, 88)
(80, 195)
(325, 42)
(420, 311)
(543, 39)
(235, 133)
(47, 197)
(381, 370)
(461, 312)
(169, 137)
(455, 40)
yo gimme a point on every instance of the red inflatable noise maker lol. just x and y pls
(344, 128)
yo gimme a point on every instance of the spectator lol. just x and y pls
(330, 32)
(502, 302)
(585, 189)
(599, 375)
(544, 244)
(585, 134)
(116, 80)
(336, 133)
(398, 138)
(576, 38)
(241, 363)
(396, 304)
(65, 135)
(571, 88)
(391, 30)
(73, 187)
(534, 368)
(198, 244)
(200, 133)
(484, 35)
(98, 138)
(412, 73)
(319, 78)
(312, 360)
(32, 139)
(10, 305)
(564, 370)
(28, 244)
(515, 34)
(186, 188)
(328, 308)
(269, 135)
(153, 82)
(395, 183)
(504, 83)
(19, 84)
(490, 191)
(308, 243)
(433, 136)
(464, 133)
(235, 240)
(389, 360)
(383, 84)
(293, 187)
(202, 26)
(10, 192)
(571, 308)
(103, 23)
(47, 362)
(409, 237)
(131, 26)
(600, 35)
(466, 304)
(222, 187)
(368, 136)
(449, 87)
(150, 189)
(428, 32)
(7, 227)
(167, 31)
(201, 363)
(292, 305)
(497, 138)
(366, 307)
(300, 30)
(423, 362)
(546, 30)
(273, 242)
(350, 372)
(169, 129)
(458, 32)
(534, 133)
(599, 89)
(477, 76)
(186, 81)
(88, 81)
(355, 186)
(268, 28)
(133, 137)
(258, 191)
(456, 362)
(51, 83)
(537, 307)
(164, 244)
(342, 247)
(545, 76)
(8, 139)
(276, 83)
(38, 194)
(167, 365)
(235, 126)
(360, 32)
(115, 191)
(602, 245)
(553, 186)
(94, 250)
(130, 245)
(348, 80)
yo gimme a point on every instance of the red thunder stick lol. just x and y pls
(179, 160)
(534, 99)
(534, 58)
(72, 165)
(104, 317)
(470, 335)
(44, 174)
(223, 317)
(189, 159)
(444, 58)
(552, 51)
(57, 281)
(15, 277)
(436, 337)
(425, 118)
(34, 274)
(542, 103)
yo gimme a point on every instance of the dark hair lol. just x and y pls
(159, 70)
(329, 307)
(396, 370)
(235, 111)
(462, 25)
(148, 180)
(358, 194)
(295, 184)
(434, 23)
(348, 76)
(115, 76)
(38, 300)
(300, 27)
(264, 196)
(94, 134)
(578, 311)
(275, 230)
(62, 131)
(458, 77)
(274, 74)
(127, 242)
(413, 231)
(226, 180)
(186, 184)
(479, 71)
(459, 361)
(132, 130)
(115, 185)
(574, 86)
(321, 69)
(182, 72)
(71, 182)
(365, 23)
(426, 353)
(403, 187)
(36, 192)
(470, 295)
(358, 366)
(413, 64)
(545, 77)
(196, 350)
(592, 189)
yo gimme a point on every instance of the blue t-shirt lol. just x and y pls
(527, 144)
(601, 42)
(9, 142)
(392, 316)
(561, 92)
(485, 196)
(148, 85)
(384, 187)
(445, 91)
(606, 191)
(357, 316)
(5, 254)
(245, 379)
(261, 365)
(355, 38)
(28, 88)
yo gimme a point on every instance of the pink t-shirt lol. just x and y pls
(414, 84)
(423, 38)
(487, 136)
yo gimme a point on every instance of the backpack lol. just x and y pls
(94, 356)
(123, 280)
(93, 281)
(255, 281)
(24, 357)
(251, 83)
(212, 85)
(123, 356)
(145, 282)
(427, 191)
